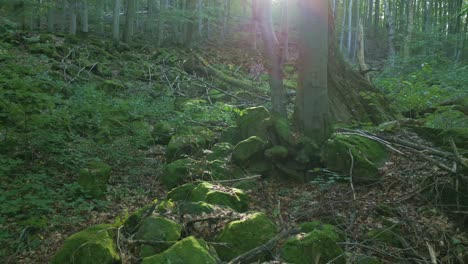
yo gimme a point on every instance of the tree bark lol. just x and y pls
(50, 18)
(284, 35)
(350, 26)
(390, 34)
(312, 112)
(376, 17)
(129, 21)
(116, 20)
(273, 58)
(360, 54)
(409, 31)
(73, 17)
(84, 16)
(161, 23)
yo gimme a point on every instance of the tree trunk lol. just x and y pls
(129, 21)
(343, 24)
(360, 53)
(273, 58)
(162, 9)
(116, 20)
(100, 11)
(50, 18)
(73, 17)
(409, 31)
(84, 16)
(390, 34)
(200, 18)
(312, 112)
(350, 27)
(284, 35)
(369, 16)
(376, 17)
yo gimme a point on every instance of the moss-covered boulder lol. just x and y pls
(188, 142)
(158, 229)
(244, 235)
(220, 151)
(181, 193)
(442, 137)
(277, 153)
(231, 135)
(368, 156)
(94, 245)
(133, 220)
(254, 122)
(162, 132)
(220, 195)
(211, 194)
(318, 245)
(94, 177)
(195, 208)
(188, 250)
(178, 172)
(249, 150)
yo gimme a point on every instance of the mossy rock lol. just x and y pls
(220, 151)
(220, 195)
(94, 177)
(162, 132)
(181, 193)
(231, 135)
(245, 234)
(188, 142)
(254, 122)
(249, 150)
(317, 246)
(386, 235)
(277, 153)
(362, 259)
(158, 229)
(188, 250)
(195, 208)
(308, 152)
(178, 172)
(282, 131)
(327, 229)
(368, 156)
(134, 219)
(94, 245)
(218, 170)
(442, 137)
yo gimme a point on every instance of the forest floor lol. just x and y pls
(426, 231)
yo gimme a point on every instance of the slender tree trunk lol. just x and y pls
(162, 10)
(100, 11)
(63, 15)
(284, 35)
(200, 18)
(312, 111)
(84, 16)
(343, 24)
(409, 31)
(356, 33)
(51, 18)
(272, 52)
(376, 17)
(73, 17)
(360, 54)
(129, 21)
(350, 27)
(390, 34)
(116, 20)
(190, 25)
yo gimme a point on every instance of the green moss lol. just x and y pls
(231, 135)
(94, 178)
(94, 245)
(177, 172)
(313, 247)
(254, 122)
(327, 229)
(181, 193)
(195, 208)
(220, 151)
(157, 228)
(132, 221)
(277, 153)
(163, 132)
(220, 195)
(246, 185)
(188, 250)
(367, 154)
(180, 145)
(282, 130)
(244, 235)
(249, 150)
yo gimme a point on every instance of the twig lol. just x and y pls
(351, 173)
(236, 180)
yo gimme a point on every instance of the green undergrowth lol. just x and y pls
(67, 104)
(428, 87)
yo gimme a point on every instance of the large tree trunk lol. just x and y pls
(390, 34)
(116, 20)
(312, 113)
(129, 21)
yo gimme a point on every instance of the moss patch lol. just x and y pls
(368, 156)
(313, 247)
(157, 228)
(244, 235)
(188, 250)
(249, 150)
(220, 195)
(94, 245)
